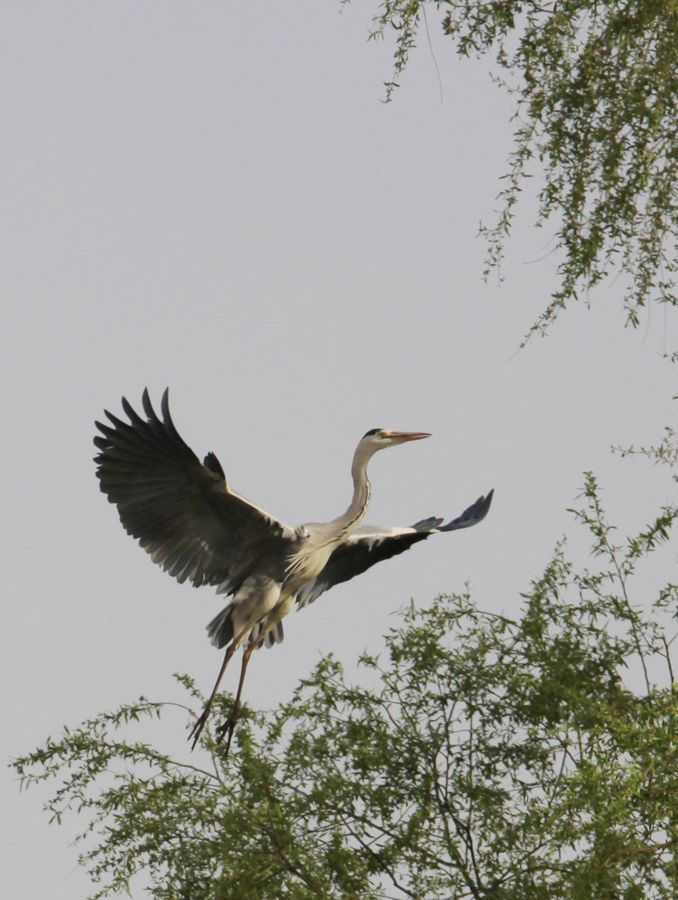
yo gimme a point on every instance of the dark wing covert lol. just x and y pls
(182, 512)
(370, 545)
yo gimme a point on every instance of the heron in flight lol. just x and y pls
(192, 523)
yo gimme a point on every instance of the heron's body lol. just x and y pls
(185, 515)
(264, 599)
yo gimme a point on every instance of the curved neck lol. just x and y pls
(361, 490)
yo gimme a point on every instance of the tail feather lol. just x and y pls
(275, 635)
(220, 629)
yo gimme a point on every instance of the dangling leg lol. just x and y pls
(229, 725)
(196, 731)
(268, 628)
(258, 595)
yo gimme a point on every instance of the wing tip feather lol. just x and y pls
(472, 515)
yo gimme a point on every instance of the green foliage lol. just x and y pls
(594, 85)
(492, 757)
(664, 453)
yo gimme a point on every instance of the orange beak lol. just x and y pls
(399, 437)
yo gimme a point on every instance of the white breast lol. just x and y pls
(308, 562)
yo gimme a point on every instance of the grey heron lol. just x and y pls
(197, 528)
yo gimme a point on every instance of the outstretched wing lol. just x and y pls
(369, 545)
(182, 512)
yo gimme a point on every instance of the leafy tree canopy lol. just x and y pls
(594, 83)
(493, 757)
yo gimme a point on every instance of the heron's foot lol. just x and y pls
(228, 727)
(196, 731)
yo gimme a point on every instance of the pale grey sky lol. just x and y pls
(212, 196)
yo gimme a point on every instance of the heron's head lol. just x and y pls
(379, 438)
